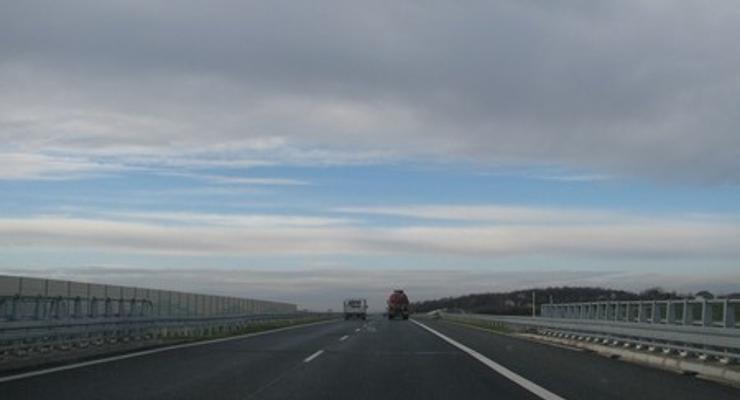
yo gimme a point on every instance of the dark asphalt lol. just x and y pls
(383, 360)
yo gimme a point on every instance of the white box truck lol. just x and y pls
(355, 308)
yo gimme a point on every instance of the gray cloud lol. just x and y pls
(539, 232)
(639, 88)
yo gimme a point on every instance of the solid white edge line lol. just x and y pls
(312, 356)
(532, 387)
(31, 374)
(343, 338)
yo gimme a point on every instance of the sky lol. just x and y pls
(309, 151)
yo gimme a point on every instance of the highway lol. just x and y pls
(376, 359)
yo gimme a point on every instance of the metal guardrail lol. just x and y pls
(721, 312)
(19, 338)
(722, 343)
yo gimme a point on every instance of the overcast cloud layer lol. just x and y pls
(304, 151)
(639, 88)
(526, 231)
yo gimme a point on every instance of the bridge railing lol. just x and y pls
(708, 313)
(716, 342)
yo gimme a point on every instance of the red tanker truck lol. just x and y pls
(398, 305)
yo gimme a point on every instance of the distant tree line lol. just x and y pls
(519, 302)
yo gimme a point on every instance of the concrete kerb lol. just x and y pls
(724, 373)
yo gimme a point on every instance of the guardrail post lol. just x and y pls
(729, 314)
(92, 312)
(38, 308)
(656, 313)
(54, 308)
(108, 307)
(642, 312)
(670, 312)
(686, 317)
(121, 307)
(706, 313)
(77, 308)
(14, 308)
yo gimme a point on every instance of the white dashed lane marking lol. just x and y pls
(312, 356)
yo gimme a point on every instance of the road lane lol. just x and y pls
(392, 360)
(364, 360)
(532, 387)
(226, 370)
(7, 377)
(583, 375)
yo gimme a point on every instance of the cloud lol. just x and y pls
(644, 89)
(502, 214)
(159, 238)
(232, 220)
(271, 235)
(237, 180)
(575, 178)
(16, 166)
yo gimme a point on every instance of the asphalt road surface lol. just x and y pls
(376, 359)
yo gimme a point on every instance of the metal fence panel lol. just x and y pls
(57, 288)
(78, 289)
(97, 291)
(31, 287)
(9, 285)
(128, 293)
